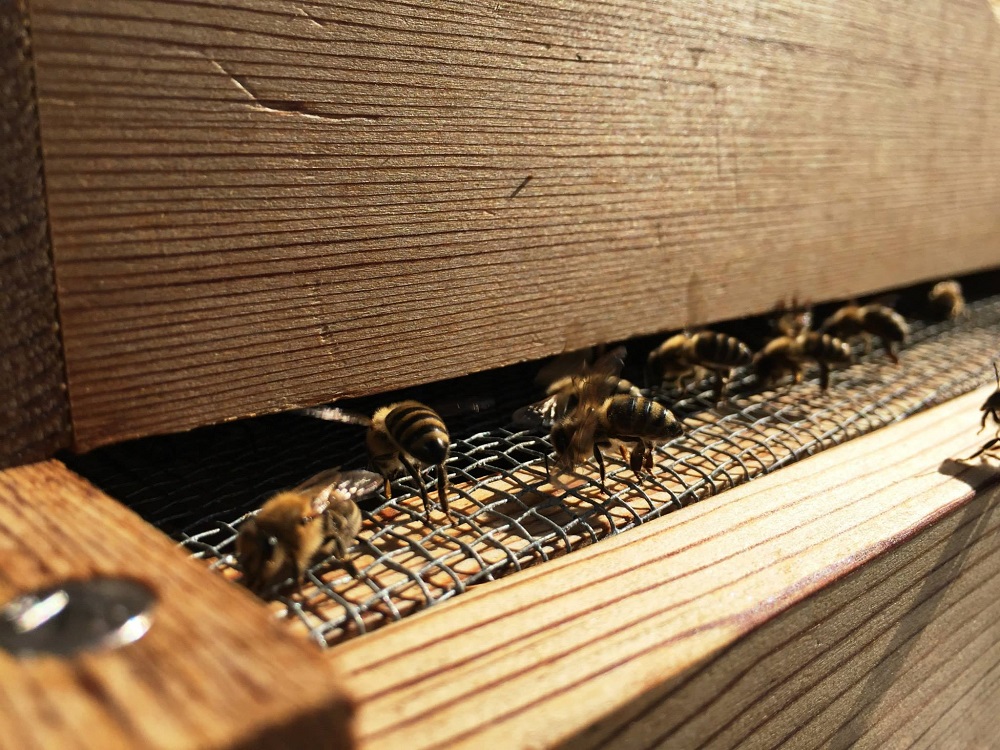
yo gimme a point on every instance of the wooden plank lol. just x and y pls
(257, 205)
(34, 407)
(849, 599)
(214, 670)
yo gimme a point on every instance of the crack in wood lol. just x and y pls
(290, 106)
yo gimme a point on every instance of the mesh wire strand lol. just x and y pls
(509, 515)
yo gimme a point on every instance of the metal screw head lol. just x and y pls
(103, 613)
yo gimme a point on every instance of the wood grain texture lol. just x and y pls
(259, 204)
(34, 407)
(214, 671)
(848, 600)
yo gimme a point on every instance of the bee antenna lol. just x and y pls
(997, 373)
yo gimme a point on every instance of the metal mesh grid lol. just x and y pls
(509, 515)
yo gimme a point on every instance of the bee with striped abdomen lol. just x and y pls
(682, 355)
(617, 421)
(319, 517)
(786, 355)
(410, 434)
(406, 435)
(946, 301)
(563, 394)
(877, 320)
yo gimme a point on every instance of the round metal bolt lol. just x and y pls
(103, 613)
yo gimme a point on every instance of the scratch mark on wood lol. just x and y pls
(303, 12)
(696, 53)
(296, 107)
(521, 187)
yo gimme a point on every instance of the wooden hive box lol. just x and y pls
(222, 209)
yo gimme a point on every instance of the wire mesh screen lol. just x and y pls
(507, 513)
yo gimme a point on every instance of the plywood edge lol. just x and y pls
(34, 406)
(215, 669)
(803, 605)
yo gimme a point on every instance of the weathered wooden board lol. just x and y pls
(258, 204)
(215, 669)
(34, 408)
(848, 599)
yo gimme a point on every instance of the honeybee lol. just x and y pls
(792, 320)
(786, 355)
(946, 301)
(563, 394)
(990, 408)
(869, 320)
(406, 435)
(319, 517)
(682, 355)
(601, 421)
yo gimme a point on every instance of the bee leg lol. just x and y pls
(442, 484)
(893, 357)
(548, 470)
(600, 463)
(388, 489)
(635, 462)
(718, 385)
(647, 461)
(986, 446)
(419, 480)
(982, 425)
(623, 452)
(824, 376)
(350, 567)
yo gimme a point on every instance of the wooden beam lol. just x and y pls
(848, 599)
(34, 407)
(215, 669)
(261, 205)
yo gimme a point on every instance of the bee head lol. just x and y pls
(768, 367)
(268, 546)
(260, 555)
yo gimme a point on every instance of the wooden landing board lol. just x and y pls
(259, 205)
(851, 597)
(214, 671)
(34, 407)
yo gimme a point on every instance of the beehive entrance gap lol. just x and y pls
(509, 514)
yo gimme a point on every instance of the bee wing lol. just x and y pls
(564, 365)
(459, 406)
(600, 380)
(336, 414)
(539, 414)
(609, 363)
(334, 484)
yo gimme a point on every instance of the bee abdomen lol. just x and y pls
(718, 350)
(885, 322)
(420, 431)
(823, 346)
(640, 417)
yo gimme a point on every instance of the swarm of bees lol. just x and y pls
(587, 411)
